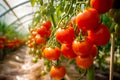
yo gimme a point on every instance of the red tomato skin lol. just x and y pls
(82, 48)
(1, 46)
(94, 51)
(58, 72)
(42, 31)
(3, 38)
(100, 36)
(65, 35)
(51, 53)
(48, 33)
(102, 6)
(88, 20)
(67, 51)
(47, 24)
(84, 62)
(39, 39)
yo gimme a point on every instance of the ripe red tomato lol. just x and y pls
(94, 51)
(42, 31)
(3, 38)
(39, 39)
(89, 19)
(101, 6)
(10, 45)
(1, 46)
(82, 48)
(47, 24)
(51, 53)
(65, 35)
(100, 36)
(58, 72)
(67, 51)
(48, 33)
(84, 62)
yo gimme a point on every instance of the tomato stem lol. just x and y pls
(53, 20)
(90, 73)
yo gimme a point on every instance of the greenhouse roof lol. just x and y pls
(18, 12)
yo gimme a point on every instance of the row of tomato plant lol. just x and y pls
(7, 45)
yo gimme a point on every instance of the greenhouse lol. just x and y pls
(59, 39)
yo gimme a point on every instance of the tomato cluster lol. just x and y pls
(77, 40)
(11, 44)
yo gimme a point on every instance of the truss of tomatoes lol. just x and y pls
(72, 46)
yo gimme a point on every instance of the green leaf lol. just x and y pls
(33, 2)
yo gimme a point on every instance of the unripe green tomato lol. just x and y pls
(31, 51)
(48, 68)
(37, 51)
(34, 60)
(46, 62)
(42, 73)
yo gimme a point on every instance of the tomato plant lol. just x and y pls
(69, 30)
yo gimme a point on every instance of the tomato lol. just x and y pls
(1, 46)
(31, 30)
(10, 45)
(47, 24)
(42, 31)
(48, 33)
(101, 6)
(58, 72)
(94, 51)
(100, 36)
(39, 39)
(89, 19)
(51, 53)
(65, 35)
(82, 48)
(84, 62)
(67, 51)
(3, 38)
(34, 33)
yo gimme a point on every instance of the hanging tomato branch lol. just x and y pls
(68, 30)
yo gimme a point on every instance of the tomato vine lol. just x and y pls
(78, 29)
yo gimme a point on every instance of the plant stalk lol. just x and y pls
(112, 55)
(90, 73)
(53, 20)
